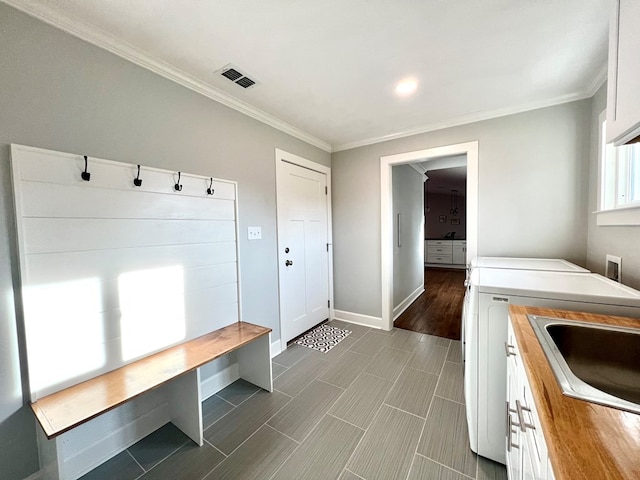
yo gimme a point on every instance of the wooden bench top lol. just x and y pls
(68, 408)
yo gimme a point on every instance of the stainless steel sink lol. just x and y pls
(593, 362)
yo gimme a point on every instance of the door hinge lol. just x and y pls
(327, 247)
(326, 190)
(328, 303)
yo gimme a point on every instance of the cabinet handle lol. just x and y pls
(510, 430)
(523, 424)
(507, 349)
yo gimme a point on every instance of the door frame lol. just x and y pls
(386, 210)
(281, 155)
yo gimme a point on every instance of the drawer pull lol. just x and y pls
(508, 351)
(523, 424)
(510, 429)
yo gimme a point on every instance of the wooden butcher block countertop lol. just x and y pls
(584, 440)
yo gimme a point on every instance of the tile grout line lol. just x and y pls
(424, 427)
(366, 430)
(137, 463)
(446, 466)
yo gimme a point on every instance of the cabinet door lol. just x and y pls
(512, 433)
(459, 254)
(623, 95)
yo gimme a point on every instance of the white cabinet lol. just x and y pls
(623, 95)
(459, 255)
(451, 252)
(527, 456)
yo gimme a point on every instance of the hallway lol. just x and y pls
(438, 310)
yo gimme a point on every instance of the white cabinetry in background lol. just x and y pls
(623, 96)
(527, 457)
(448, 252)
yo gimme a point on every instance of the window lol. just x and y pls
(619, 192)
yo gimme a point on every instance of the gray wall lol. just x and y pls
(533, 178)
(60, 93)
(408, 260)
(621, 241)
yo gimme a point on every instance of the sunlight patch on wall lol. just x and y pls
(65, 332)
(152, 310)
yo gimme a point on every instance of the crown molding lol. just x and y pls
(128, 52)
(466, 119)
(598, 81)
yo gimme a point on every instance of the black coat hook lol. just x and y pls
(86, 176)
(210, 190)
(177, 186)
(138, 181)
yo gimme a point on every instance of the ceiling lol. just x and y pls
(326, 71)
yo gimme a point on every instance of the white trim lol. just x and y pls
(464, 120)
(407, 302)
(623, 216)
(219, 380)
(358, 319)
(276, 348)
(386, 231)
(418, 167)
(281, 155)
(598, 81)
(143, 59)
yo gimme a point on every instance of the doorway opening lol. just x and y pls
(468, 149)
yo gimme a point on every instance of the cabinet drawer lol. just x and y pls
(438, 258)
(432, 243)
(439, 250)
(459, 243)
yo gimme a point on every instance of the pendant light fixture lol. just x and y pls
(454, 202)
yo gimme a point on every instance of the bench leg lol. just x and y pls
(185, 407)
(254, 361)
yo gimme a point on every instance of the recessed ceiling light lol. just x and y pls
(406, 87)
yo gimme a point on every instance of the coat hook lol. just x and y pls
(177, 186)
(86, 176)
(210, 190)
(138, 181)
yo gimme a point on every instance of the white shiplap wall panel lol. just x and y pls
(52, 200)
(48, 167)
(112, 272)
(57, 267)
(47, 235)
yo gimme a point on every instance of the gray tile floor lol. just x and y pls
(380, 405)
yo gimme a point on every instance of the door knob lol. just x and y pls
(288, 263)
(286, 250)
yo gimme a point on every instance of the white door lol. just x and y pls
(302, 248)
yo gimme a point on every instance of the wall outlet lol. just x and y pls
(254, 233)
(613, 269)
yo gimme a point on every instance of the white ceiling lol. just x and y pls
(327, 69)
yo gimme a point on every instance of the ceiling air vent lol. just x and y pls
(236, 76)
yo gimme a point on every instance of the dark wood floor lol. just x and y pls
(438, 310)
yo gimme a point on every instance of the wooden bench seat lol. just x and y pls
(68, 408)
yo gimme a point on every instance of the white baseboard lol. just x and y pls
(358, 319)
(397, 311)
(217, 381)
(276, 348)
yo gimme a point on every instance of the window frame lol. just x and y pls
(618, 213)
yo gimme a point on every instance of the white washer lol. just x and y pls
(492, 290)
(544, 264)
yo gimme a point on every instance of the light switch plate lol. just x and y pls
(254, 233)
